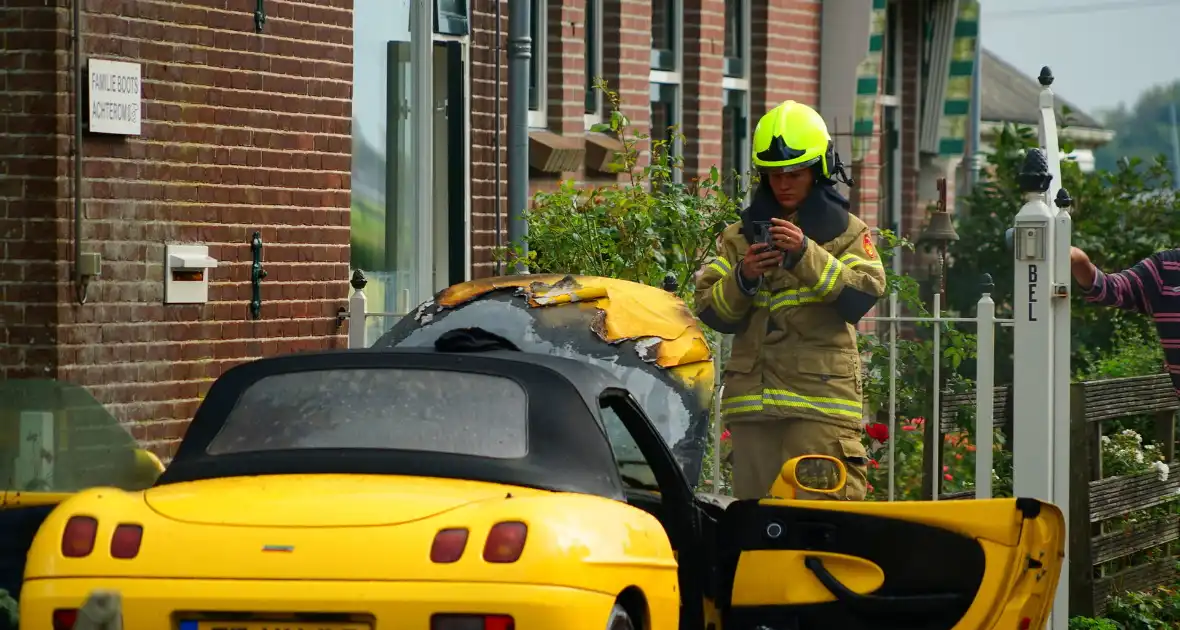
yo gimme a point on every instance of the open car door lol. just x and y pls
(645, 336)
(914, 565)
(55, 440)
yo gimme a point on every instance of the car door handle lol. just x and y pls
(883, 605)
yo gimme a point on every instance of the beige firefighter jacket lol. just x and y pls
(794, 349)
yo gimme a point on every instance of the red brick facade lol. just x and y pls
(241, 132)
(784, 50)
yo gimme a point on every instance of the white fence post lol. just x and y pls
(358, 307)
(935, 411)
(893, 315)
(718, 391)
(985, 383)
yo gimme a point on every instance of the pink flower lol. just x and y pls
(725, 434)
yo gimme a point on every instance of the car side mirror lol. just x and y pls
(821, 474)
(147, 468)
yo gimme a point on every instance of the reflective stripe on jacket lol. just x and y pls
(794, 348)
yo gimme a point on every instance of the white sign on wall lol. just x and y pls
(115, 97)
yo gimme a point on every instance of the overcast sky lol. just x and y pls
(1101, 51)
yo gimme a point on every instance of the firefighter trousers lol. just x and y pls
(762, 445)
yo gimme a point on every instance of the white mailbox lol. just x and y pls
(186, 274)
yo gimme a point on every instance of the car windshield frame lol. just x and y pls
(567, 449)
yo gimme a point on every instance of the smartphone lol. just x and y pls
(762, 232)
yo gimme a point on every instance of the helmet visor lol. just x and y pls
(788, 168)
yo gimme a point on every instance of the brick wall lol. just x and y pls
(241, 132)
(704, 59)
(911, 15)
(484, 127)
(785, 43)
(29, 114)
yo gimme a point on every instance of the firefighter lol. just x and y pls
(790, 281)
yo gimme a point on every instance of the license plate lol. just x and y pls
(279, 625)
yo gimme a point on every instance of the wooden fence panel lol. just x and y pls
(1116, 496)
(1138, 537)
(1095, 499)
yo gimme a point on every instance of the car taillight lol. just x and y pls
(470, 622)
(65, 618)
(125, 541)
(448, 545)
(505, 542)
(77, 541)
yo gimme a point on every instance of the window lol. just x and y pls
(385, 219)
(538, 66)
(405, 409)
(634, 469)
(735, 38)
(665, 114)
(735, 146)
(450, 17)
(666, 77)
(735, 113)
(593, 32)
(665, 35)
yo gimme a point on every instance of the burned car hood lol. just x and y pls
(643, 335)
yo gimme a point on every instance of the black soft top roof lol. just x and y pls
(568, 449)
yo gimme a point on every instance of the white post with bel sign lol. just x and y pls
(1040, 243)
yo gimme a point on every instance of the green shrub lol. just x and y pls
(651, 226)
(1089, 623)
(1153, 610)
(9, 611)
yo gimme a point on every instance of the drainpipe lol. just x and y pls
(499, 134)
(519, 53)
(80, 282)
(422, 106)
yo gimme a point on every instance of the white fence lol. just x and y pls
(985, 322)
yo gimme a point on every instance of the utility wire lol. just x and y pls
(1084, 9)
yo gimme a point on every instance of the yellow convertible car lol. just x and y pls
(462, 477)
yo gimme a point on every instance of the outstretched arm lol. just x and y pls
(1133, 289)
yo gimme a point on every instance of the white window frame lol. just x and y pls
(538, 118)
(595, 59)
(742, 83)
(674, 78)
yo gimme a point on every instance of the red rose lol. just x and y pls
(878, 431)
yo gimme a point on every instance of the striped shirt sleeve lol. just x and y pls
(1135, 289)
